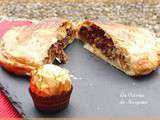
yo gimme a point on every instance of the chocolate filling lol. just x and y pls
(96, 37)
(56, 50)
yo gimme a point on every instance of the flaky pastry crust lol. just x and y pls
(22, 49)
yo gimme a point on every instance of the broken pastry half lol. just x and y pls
(132, 50)
(27, 47)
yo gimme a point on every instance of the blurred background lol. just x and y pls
(145, 13)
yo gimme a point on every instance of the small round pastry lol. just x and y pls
(50, 88)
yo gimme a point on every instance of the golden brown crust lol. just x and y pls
(137, 45)
(51, 80)
(17, 68)
(22, 63)
(143, 67)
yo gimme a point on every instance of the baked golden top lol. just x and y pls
(51, 80)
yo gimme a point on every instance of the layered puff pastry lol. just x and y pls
(24, 48)
(133, 50)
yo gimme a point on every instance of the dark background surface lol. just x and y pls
(98, 89)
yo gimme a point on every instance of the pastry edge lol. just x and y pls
(131, 72)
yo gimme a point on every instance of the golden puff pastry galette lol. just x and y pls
(133, 50)
(24, 48)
